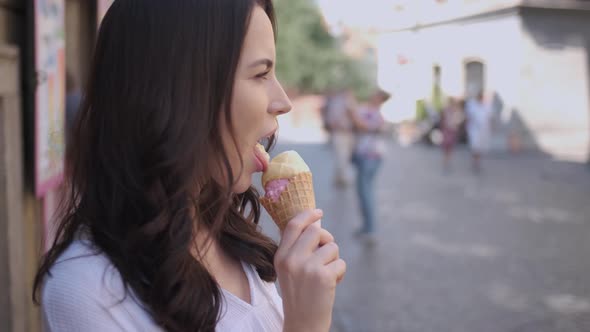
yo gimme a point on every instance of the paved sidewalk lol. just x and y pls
(506, 251)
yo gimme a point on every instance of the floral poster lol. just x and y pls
(49, 94)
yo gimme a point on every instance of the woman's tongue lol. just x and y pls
(261, 163)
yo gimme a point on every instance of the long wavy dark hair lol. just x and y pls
(138, 170)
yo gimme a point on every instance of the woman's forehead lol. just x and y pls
(259, 41)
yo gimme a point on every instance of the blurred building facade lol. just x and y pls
(25, 210)
(531, 56)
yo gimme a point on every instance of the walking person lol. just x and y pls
(368, 156)
(158, 231)
(338, 121)
(451, 120)
(479, 128)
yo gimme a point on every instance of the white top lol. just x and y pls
(478, 126)
(479, 115)
(371, 143)
(84, 293)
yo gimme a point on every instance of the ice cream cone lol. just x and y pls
(286, 165)
(297, 197)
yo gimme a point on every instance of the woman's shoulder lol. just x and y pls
(82, 271)
(84, 292)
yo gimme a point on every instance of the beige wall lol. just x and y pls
(452, 46)
(20, 226)
(80, 31)
(12, 15)
(20, 210)
(538, 61)
(8, 21)
(14, 304)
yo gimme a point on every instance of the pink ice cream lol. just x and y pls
(274, 188)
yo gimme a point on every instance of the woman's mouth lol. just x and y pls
(261, 158)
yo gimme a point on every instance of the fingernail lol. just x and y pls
(319, 212)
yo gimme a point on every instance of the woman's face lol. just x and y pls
(258, 98)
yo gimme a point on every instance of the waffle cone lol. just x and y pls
(297, 197)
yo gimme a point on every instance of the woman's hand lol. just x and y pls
(309, 268)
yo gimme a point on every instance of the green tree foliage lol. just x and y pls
(309, 58)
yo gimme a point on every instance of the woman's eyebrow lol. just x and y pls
(267, 62)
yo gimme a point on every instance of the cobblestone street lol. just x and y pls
(505, 251)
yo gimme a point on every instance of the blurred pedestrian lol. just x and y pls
(368, 156)
(451, 119)
(479, 128)
(338, 121)
(159, 230)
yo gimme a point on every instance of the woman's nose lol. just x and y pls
(281, 107)
(281, 103)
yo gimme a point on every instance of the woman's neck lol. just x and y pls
(209, 252)
(206, 249)
(225, 269)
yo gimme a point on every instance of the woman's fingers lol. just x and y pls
(326, 254)
(310, 240)
(295, 228)
(325, 237)
(305, 243)
(338, 267)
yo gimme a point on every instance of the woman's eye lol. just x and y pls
(263, 75)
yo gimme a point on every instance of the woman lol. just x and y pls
(368, 155)
(159, 230)
(479, 128)
(451, 119)
(338, 121)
